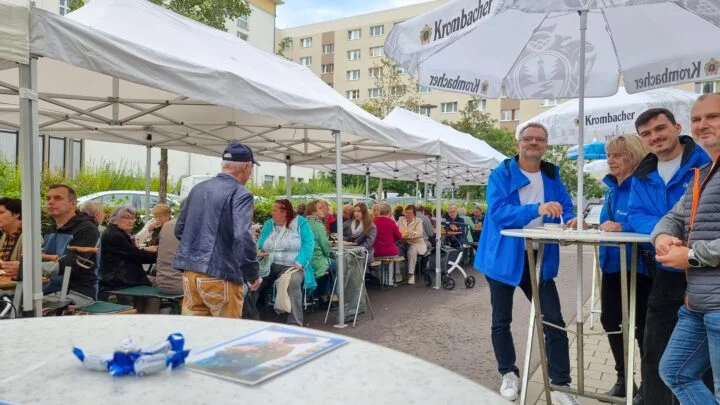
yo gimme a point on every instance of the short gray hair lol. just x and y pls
(385, 208)
(119, 212)
(533, 125)
(234, 166)
(92, 208)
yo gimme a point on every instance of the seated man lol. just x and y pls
(455, 223)
(168, 279)
(477, 219)
(150, 233)
(96, 211)
(121, 260)
(82, 231)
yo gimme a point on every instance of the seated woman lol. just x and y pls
(387, 233)
(414, 242)
(121, 261)
(322, 264)
(362, 229)
(11, 239)
(477, 219)
(290, 241)
(149, 235)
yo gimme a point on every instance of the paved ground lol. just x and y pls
(452, 328)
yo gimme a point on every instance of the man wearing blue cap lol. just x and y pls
(217, 250)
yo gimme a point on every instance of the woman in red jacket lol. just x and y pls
(387, 233)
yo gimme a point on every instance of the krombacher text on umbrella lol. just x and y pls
(669, 76)
(463, 20)
(609, 118)
(455, 84)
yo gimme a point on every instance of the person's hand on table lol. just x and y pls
(676, 257)
(550, 209)
(663, 244)
(454, 228)
(572, 224)
(254, 283)
(260, 253)
(610, 226)
(297, 266)
(151, 248)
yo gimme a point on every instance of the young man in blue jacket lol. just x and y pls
(658, 183)
(525, 192)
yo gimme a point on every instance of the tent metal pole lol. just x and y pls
(340, 254)
(367, 183)
(438, 218)
(288, 177)
(30, 189)
(580, 163)
(148, 180)
(417, 188)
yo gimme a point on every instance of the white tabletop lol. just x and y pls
(38, 367)
(577, 236)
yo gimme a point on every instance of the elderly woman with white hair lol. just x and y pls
(121, 261)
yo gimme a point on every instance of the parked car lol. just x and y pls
(130, 198)
(592, 214)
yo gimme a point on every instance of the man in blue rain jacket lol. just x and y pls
(524, 192)
(658, 183)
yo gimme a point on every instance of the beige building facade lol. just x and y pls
(345, 53)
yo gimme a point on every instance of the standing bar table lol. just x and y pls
(542, 236)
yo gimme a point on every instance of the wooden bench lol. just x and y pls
(149, 291)
(387, 278)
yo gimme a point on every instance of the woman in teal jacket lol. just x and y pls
(289, 242)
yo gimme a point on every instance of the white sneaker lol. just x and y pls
(563, 398)
(510, 386)
(411, 279)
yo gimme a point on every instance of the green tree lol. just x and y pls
(214, 13)
(284, 45)
(396, 90)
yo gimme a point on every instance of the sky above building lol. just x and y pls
(302, 12)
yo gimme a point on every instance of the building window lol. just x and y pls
(550, 102)
(8, 147)
(327, 49)
(375, 93)
(353, 94)
(242, 22)
(56, 154)
(75, 158)
(268, 180)
(706, 87)
(242, 36)
(398, 91)
(375, 72)
(65, 6)
(328, 68)
(306, 60)
(448, 108)
(423, 89)
(354, 34)
(287, 45)
(479, 104)
(354, 54)
(353, 74)
(509, 115)
(377, 51)
(400, 70)
(377, 30)
(423, 111)
(306, 42)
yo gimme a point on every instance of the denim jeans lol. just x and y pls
(693, 348)
(556, 341)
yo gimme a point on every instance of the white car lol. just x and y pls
(130, 198)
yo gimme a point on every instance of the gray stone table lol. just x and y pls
(39, 368)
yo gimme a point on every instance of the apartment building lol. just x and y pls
(345, 53)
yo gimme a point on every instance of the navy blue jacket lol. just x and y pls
(214, 228)
(502, 257)
(650, 199)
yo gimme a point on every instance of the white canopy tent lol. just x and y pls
(131, 71)
(613, 115)
(461, 160)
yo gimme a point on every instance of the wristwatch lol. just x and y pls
(692, 260)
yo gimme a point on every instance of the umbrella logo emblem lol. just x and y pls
(425, 35)
(711, 67)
